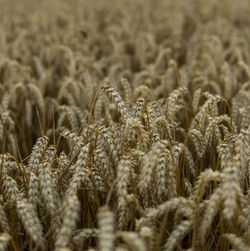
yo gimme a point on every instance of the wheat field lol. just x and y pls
(124, 125)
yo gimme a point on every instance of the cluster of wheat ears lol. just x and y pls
(124, 125)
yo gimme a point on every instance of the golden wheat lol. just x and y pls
(125, 125)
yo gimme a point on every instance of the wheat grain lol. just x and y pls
(177, 234)
(70, 216)
(30, 221)
(48, 191)
(114, 95)
(10, 189)
(133, 240)
(4, 220)
(4, 241)
(84, 234)
(35, 91)
(33, 193)
(237, 242)
(37, 152)
(123, 180)
(106, 232)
